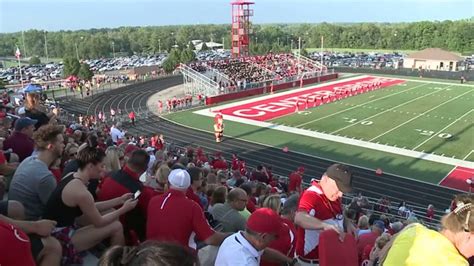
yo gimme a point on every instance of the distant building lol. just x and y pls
(211, 45)
(433, 59)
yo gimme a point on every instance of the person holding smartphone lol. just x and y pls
(71, 205)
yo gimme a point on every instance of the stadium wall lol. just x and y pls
(257, 91)
(455, 75)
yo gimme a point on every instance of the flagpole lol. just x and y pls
(19, 68)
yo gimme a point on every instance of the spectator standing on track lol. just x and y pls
(131, 115)
(320, 209)
(112, 114)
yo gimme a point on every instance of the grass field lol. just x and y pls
(425, 117)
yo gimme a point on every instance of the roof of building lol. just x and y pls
(435, 54)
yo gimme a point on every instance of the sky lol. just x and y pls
(55, 15)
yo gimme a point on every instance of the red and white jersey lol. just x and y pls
(315, 203)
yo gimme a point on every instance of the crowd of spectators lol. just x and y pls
(85, 188)
(255, 69)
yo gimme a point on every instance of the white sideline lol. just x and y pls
(344, 140)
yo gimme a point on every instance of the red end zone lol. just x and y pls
(281, 105)
(458, 178)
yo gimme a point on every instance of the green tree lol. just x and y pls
(34, 60)
(85, 72)
(71, 67)
(187, 55)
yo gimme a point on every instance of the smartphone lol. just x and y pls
(137, 194)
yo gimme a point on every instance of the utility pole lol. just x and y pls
(23, 38)
(46, 47)
(113, 48)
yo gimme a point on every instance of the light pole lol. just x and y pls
(159, 46)
(113, 48)
(77, 53)
(223, 45)
(46, 47)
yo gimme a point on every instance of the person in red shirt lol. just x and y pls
(172, 217)
(368, 239)
(219, 163)
(126, 181)
(430, 213)
(296, 179)
(235, 162)
(196, 182)
(160, 106)
(27, 242)
(131, 115)
(286, 241)
(320, 209)
(21, 141)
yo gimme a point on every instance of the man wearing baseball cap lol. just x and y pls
(247, 247)
(320, 209)
(21, 141)
(172, 217)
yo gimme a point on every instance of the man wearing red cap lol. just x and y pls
(320, 209)
(247, 247)
(296, 179)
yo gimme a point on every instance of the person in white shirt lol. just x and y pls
(246, 247)
(116, 133)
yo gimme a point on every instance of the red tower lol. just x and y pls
(240, 30)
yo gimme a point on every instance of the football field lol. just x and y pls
(409, 127)
(421, 116)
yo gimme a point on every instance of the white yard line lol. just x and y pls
(345, 140)
(388, 110)
(416, 117)
(440, 131)
(468, 154)
(450, 172)
(359, 105)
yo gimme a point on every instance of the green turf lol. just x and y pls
(414, 115)
(405, 166)
(418, 116)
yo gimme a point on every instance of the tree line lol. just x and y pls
(455, 36)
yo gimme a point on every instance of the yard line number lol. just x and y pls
(443, 135)
(354, 121)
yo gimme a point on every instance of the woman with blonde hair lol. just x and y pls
(112, 159)
(273, 202)
(453, 245)
(161, 178)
